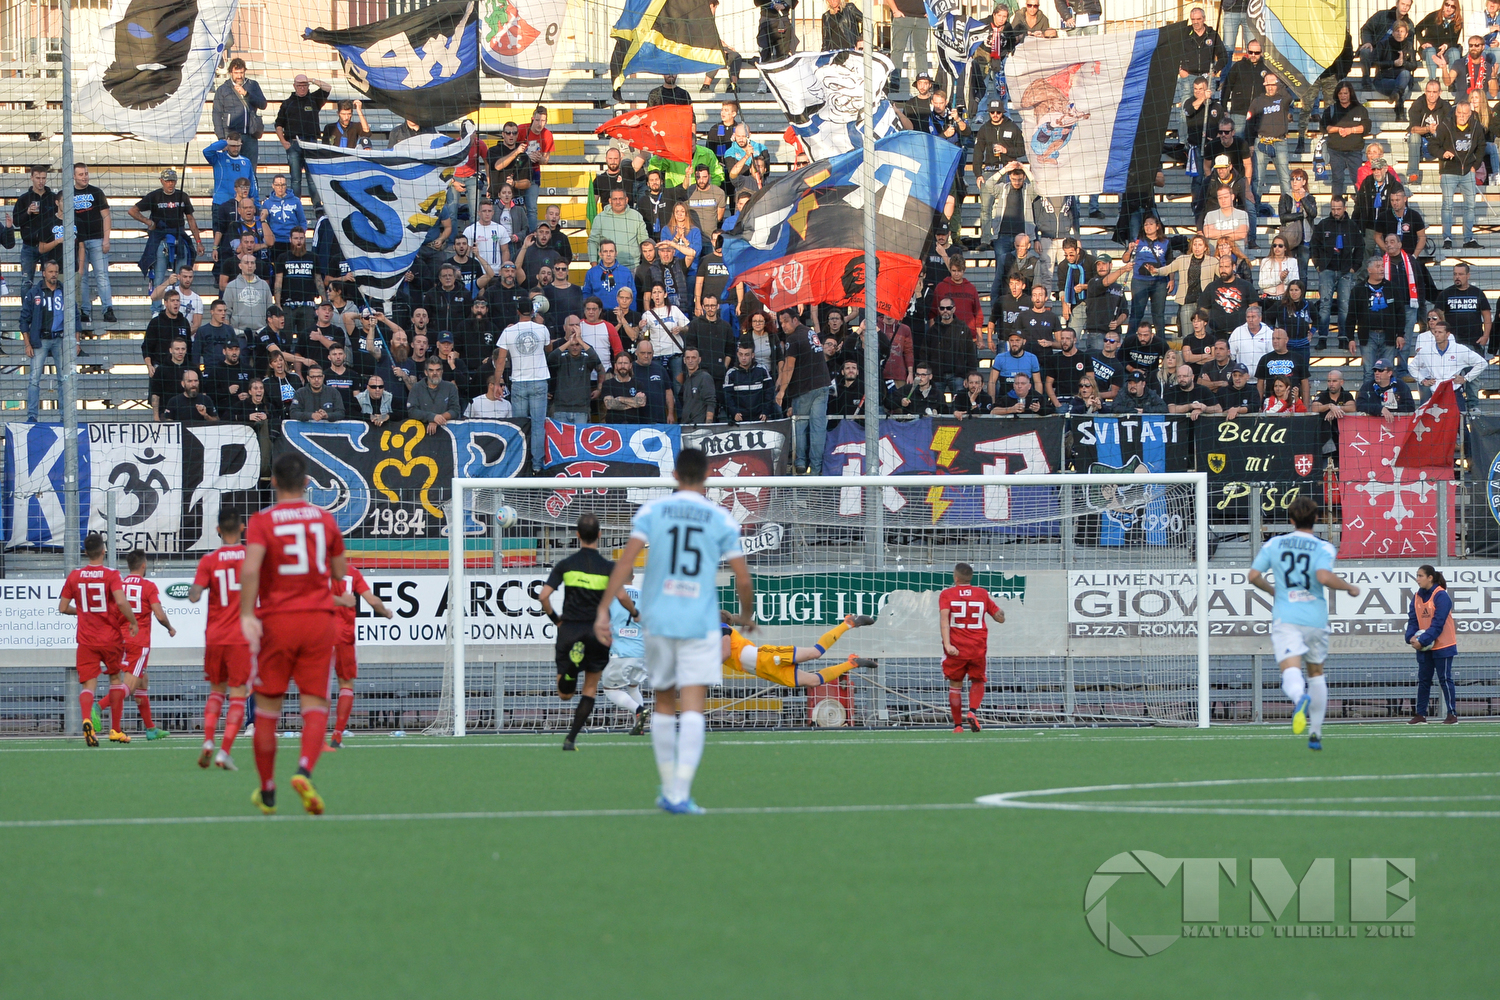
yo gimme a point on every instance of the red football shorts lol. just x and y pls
(92, 658)
(297, 647)
(345, 664)
(227, 665)
(956, 668)
(134, 661)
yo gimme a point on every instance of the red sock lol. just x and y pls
(211, 715)
(233, 721)
(314, 729)
(116, 705)
(346, 705)
(976, 695)
(956, 705)
(265, 748)
(143, 705)
(86, 703)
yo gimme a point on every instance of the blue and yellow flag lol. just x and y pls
(666, 36)
(1301, 38)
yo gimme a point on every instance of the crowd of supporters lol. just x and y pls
(1276, 263)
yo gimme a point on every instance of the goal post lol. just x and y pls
(821, 547)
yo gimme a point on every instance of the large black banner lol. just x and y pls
(1484, 472)
(1143, 442)
(1281, 454)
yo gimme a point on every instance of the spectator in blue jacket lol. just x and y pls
(1430, 631)
(230, 164)
(283, 211)
(1384, 396)
(42, 322)
(606, 278)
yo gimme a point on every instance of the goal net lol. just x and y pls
(1049, 549)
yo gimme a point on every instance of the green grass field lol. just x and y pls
(565, 884)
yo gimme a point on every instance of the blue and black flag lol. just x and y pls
(423, 65)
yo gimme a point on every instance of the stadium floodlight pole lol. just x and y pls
(66, 389)
(874, 513)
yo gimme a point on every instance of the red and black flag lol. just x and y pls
(801, 239)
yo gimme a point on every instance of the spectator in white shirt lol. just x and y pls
(1249, 342)
(665, 324)
(486, 236)
(1226, 222)
(495, 403)
(524, 344)
(1439, 357)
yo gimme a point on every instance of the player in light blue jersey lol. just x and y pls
(1302, 565)
(685, 537)
(626, 672)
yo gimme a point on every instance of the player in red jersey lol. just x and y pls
(293, 551)
(346, 594)
(226, 654)
(96, 594)
(966, 638)
(145, 603)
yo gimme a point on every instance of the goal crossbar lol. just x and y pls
(462, 488)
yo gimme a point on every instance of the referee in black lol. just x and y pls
(584, 575)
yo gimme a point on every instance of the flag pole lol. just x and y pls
(67, 400)
(874, 512)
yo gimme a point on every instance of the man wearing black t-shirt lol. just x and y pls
(1142, 351)
(1186, 396)
(297, 286)
(1039, 323)
(166, 379)
(165, 326)
(624, 397)
(167, 214)
(92, 225)
(1226, 298)
(584, 575)
(802, 391)
(312, 346)
(1064, 369)
(1281, 361)
(1466, 310)
(1214, 376)
(615, 175)
(713, 337)
(1108, 366)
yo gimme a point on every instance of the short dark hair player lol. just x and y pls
(966, 640)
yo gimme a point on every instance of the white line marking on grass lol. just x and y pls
(619, 740)
(1211, 807)
(22, 824)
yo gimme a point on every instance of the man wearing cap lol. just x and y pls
(997, 142)
(1138, 396)
(1384, 396)
(524, 344)
(1241, 396)
(297, 122)
(167, 214)
(919, 105)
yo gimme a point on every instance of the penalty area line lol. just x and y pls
(23, 824)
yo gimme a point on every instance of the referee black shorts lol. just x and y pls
(579, 652)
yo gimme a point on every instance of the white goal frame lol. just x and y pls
(462, 488)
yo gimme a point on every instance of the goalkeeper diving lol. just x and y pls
(778, 664)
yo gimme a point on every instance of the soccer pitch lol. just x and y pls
(849, 864)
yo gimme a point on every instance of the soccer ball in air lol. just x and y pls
(540, 305)
(507, 516)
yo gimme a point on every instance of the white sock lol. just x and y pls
(664, 742)
(634, 691)
(1291, 683)
(621, 698)
(692, 728)
(1317, 691)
